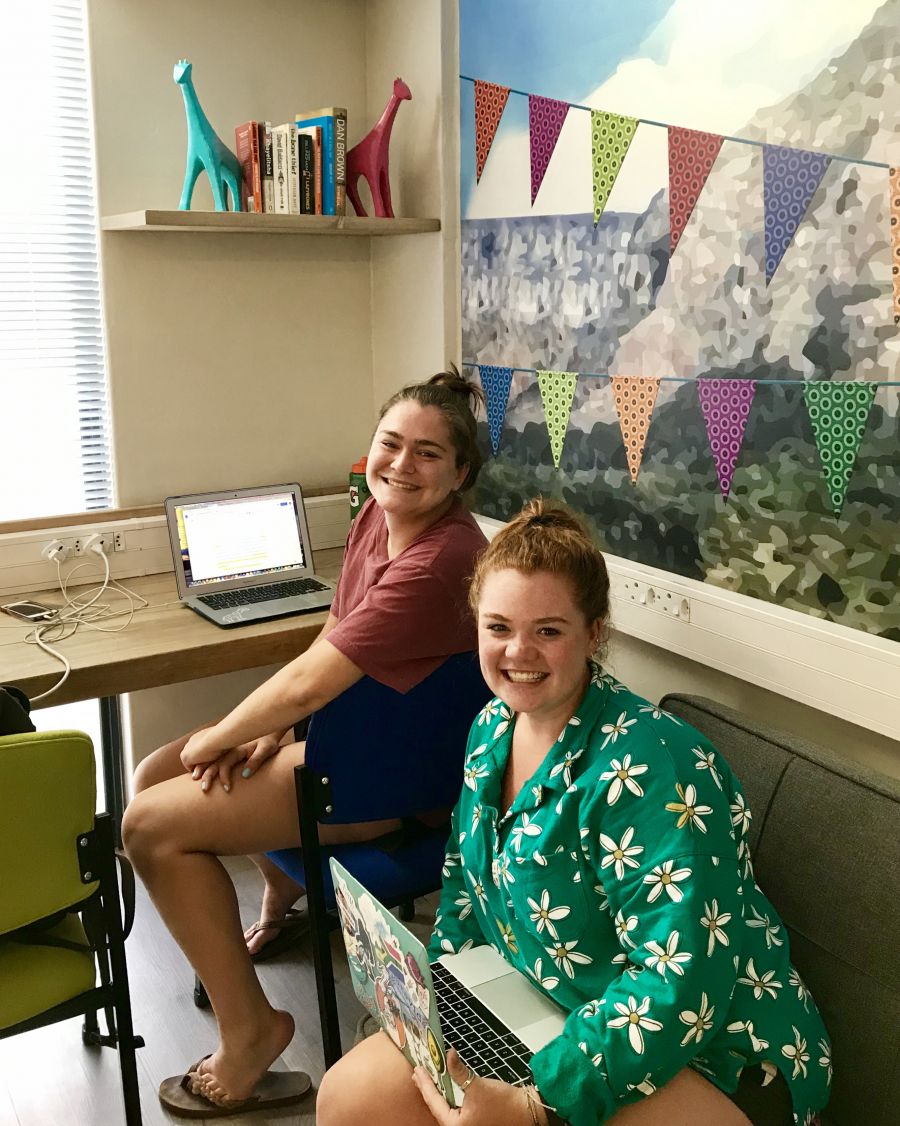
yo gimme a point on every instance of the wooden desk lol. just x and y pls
(164, 644)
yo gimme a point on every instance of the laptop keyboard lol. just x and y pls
(250, 595)
(484, 1043)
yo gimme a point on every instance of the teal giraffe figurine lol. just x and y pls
(205, 151)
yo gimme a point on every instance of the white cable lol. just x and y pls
(78, 613)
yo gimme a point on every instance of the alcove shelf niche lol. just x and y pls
(240, 222)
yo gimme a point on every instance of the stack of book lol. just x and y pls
(299, 168)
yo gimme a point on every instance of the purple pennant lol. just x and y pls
(790, 179)
(496, 382)
(725, 404)
(545, 120)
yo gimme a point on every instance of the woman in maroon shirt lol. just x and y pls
(227, 789)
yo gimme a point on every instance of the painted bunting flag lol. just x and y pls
(725, 404)
(557, 393)
(838, 412)
(545, 120)
(496, 383)
(490, 102)
(635, 397)
(611, 134)
(790, 179)
(895, 239)
(692, 154)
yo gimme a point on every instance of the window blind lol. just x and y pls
(54, 450)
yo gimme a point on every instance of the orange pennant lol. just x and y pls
(490, 102)
(635, 397)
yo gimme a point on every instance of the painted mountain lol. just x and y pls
(556, 292)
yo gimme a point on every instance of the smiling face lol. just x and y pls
(412, 471)
(534, 643)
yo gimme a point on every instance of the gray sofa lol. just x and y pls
(825, 838)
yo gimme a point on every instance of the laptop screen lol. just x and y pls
(243, 537)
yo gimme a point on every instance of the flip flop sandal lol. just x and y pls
(275, 1089)
(290, 930)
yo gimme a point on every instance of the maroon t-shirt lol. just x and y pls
(399, 619)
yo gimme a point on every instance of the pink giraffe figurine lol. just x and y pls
(369, 158)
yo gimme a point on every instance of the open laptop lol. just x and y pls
(244, 556)
(475, 1002)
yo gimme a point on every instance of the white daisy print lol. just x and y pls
(796, 981)
(645, 1086)
(623, 926)
(591, 1009)
(526, 828)
(698, 1022)
(740, 813)
(825, 1058)
(667, 958)
(756, 1043)
(544, 915)
(506, 934)
(633, 1016)
(565, 767)
(798, 1053)
(477, 887)
(451, 859)
(505, 717)
(689, 812)
(477, 811)
(464, 902)
(451, 948)
(714, 920)
(538, 974)
(623, 776)
(573, 722)
(490, 709)
(612, 731)
(621, 855)
(566, 957)
(472, 773)
(573, 788)
(666, 877)
(770, 930)
(762, 984)
(708, 762)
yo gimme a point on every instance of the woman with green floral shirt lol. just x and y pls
(601, 845)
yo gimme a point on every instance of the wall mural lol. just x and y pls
(568, 310)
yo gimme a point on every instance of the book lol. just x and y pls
(314, 132)
(306, 163)
(340, 162)
(325, 119)
(265, 161)
(246, 143)
(293, 172)
(280, 171)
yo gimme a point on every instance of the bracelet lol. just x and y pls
(530, 1104)
(553, 1119)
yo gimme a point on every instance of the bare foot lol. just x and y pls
(233, 1070)
(280, 894)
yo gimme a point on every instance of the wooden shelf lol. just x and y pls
(239, 222)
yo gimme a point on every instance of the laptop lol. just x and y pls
(475, 1002)
(243, 556)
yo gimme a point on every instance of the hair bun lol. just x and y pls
(456, 383)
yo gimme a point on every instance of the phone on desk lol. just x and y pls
(29, 611)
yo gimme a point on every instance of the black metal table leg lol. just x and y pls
(113, 766)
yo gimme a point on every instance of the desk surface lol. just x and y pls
(165, 644)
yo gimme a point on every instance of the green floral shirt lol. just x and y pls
(620, 881)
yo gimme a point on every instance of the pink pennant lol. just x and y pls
(490, 102)
(691, 157)
(726, 405)
(545, 120)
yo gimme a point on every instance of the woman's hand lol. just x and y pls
(487, 1102)
(252, 754)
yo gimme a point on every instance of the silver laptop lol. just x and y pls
(474, 1002)
(244, 556)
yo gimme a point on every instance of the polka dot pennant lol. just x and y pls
(635, 397)
(557, 393)
(895, 239)
(496, 383)
(839, 412)
(725, 404)
(490, 102)
(691, 157)
(545, 120)
(611, 134)
(790, 179)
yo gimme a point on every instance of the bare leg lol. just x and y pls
(373, 1084)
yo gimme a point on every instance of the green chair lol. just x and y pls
(60, 921)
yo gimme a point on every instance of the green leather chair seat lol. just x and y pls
(36, 978)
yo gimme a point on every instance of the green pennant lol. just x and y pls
(611, 134)
(557, 393)
(838, 412)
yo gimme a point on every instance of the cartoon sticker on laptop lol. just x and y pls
(389, 982)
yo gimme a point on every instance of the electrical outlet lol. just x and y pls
(118, 541)
(675, 605)
(636, 591)
(58, 550)
(78, 545)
